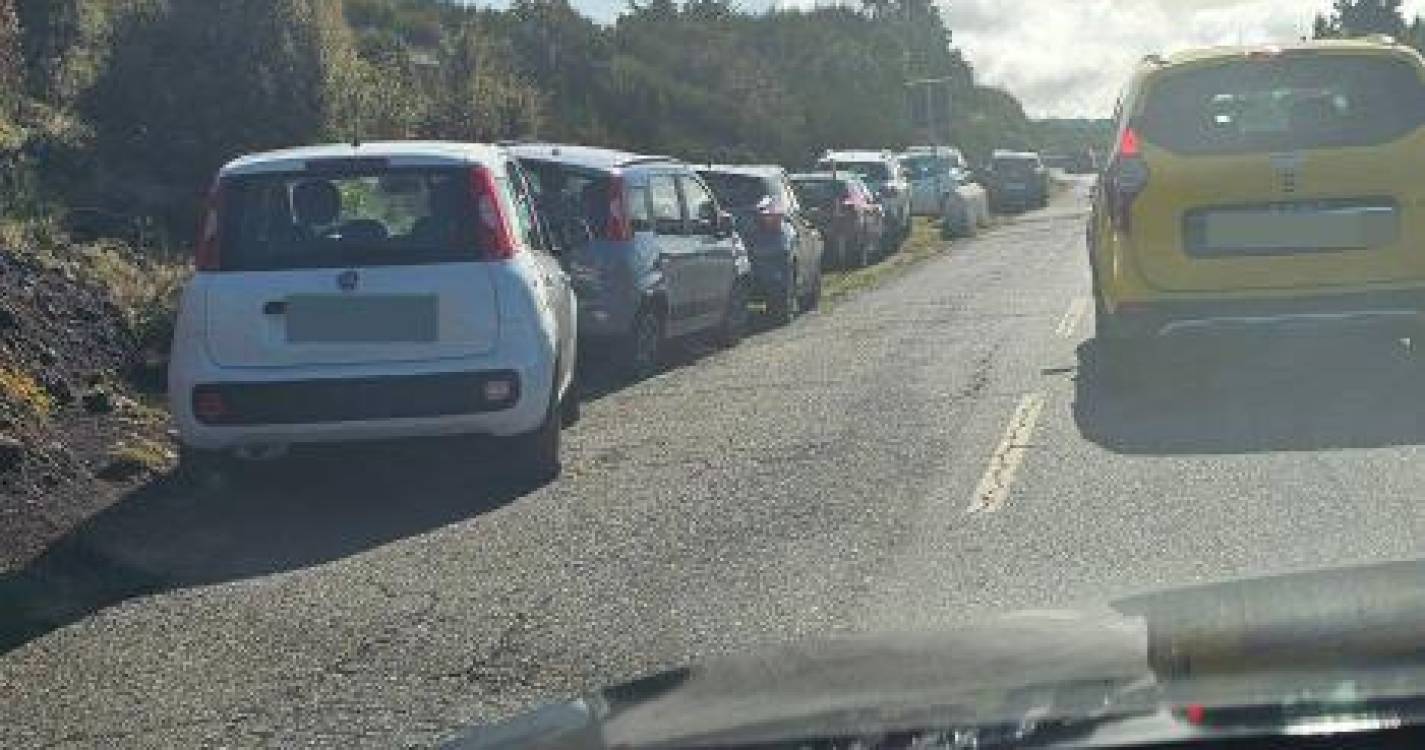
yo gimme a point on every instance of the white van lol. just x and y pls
(383, 290)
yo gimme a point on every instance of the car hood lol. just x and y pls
(1164, 666)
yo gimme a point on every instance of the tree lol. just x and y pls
(192, 83)
(12, 73)
(1355, 18)
(476, 96)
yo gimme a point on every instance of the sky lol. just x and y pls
(1068, 58)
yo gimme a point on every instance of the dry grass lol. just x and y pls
(146, 292)
(20, 388)
(924, 243)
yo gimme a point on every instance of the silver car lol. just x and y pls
(650, 253)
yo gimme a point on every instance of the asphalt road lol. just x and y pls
(935, 449)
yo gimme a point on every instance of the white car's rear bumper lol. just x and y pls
(334, 387)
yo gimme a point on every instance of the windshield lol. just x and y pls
(923, 167)
(372, 369)
(818, 193)
(735, 191)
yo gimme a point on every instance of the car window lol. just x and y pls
(666, 207)
(1319, 101)
(736, 191)
(525, 218)
(562, 191)
(701, 206)
(639, 214)
(818, 193)
(378, 217)
(924, 167)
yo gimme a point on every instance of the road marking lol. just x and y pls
(1072, 316)
(994, 487)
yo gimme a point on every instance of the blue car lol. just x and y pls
(784, 245)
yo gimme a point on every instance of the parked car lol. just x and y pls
(384, 290)
(654, 257)
(846, 211)
(883, 173)
(1020, 182)
(1084, 162)
(1061, 162)
(785, 247)
(929, 171)
(1266, 189)
(965, 205)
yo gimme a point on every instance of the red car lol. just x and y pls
(846, 212)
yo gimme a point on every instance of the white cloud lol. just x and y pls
(1069, 57)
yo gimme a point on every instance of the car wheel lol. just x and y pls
(536, 453)
(782, 306)
(644, 344)
(734, 318)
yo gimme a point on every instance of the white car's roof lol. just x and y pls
(399, 153)
(749, 170)
(590, 157)
(857, 155)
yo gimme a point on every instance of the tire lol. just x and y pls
(643, 346)
(571, 406)
(536, 454)
(734, 318)
(812, 299)
(782, 308)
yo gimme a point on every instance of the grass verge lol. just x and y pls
(924, 243)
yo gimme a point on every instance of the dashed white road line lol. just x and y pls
(1070, 322)
(995, 486)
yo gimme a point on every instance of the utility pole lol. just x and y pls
(932, 117)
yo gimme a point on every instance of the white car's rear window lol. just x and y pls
(385, 216)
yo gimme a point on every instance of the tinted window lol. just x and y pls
(1285, 103)
(737, 191)
(922, 167)
(1015, 166)
(819, 193)
(379, 217)
(562, 192)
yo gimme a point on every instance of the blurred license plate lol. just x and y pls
(1270, 230)
(346, 319)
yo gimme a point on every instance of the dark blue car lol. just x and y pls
(783, 244)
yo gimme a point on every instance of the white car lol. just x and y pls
(374, 291)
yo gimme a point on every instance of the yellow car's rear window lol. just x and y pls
(1284, 102)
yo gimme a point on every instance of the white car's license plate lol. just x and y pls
(365, 319)
(1324, 229)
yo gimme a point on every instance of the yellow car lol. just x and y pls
(1264, 186)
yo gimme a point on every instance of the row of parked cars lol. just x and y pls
(386, 290)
